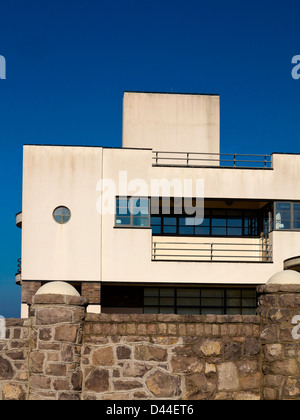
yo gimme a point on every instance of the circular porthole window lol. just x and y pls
(61, 215)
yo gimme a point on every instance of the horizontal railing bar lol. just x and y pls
(213, 153)
(208, 256)
(211, 160)
(209, 250)
(208, 243)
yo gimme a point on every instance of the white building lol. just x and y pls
(112, 222)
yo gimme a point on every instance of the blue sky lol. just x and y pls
(69, 62)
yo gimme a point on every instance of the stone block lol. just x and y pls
(67, 332)
(228, 377)
(13, 392)
(150, 353)
(163, 385)
(97, 381)
(103, 356)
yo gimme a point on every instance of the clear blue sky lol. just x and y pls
(69, 62)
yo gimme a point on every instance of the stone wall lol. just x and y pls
(61, 352)
(171, 357)
(14, 353)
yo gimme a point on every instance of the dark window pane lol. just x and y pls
(283, 206)
(248, 311)
(122, 202)
(167, 301)
(214, 311)
(234, 231)
(167, 292)
(186, 230)
(218, 222)
(235, 222)
(206, 222)
(286, 225)
(218, 231)
(140, 221)
(150, 301)
(297, 224)
(188, 301)
(170, 221)
(212, 292)
(151, 310)
(233, 302)
(247, 302)
(212, 301)
(123, 220)
(156, 221)
(189, 310)
(153, 291)
(156, 230)
(233, 311)
(169, 229)
(233, 293)
(188, 292)
(167, 310)
(202, 230)
(249, 293)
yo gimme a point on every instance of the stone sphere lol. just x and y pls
(57, 288)
(285, 277)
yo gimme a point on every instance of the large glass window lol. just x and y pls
(200, 301)
(133, 212)
(235, 223)
(287, 216)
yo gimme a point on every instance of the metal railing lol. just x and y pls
(19, 266)
(18, 273)
(211, 251)
(231, 160)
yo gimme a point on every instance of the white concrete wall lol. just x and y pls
(172, 122)
(54, 176)
(89, 247)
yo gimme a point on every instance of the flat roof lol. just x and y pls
(173, 93)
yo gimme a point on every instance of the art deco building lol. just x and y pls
(164, 224)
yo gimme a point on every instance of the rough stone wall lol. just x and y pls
(171, 357)
(14, 351)
(279, 307)
(61, 352)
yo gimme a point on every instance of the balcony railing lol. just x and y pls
(231, 160)
(18, 273)
(211, 251)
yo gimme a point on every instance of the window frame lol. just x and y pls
(210, 227)
(131, 215)
(291, 220)
(225, 308)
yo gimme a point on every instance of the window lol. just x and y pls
(200, 301)
(61, 215)
(221, 222)
(133, 212)
(287, 216)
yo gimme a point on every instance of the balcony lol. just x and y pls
(223, 160)
(19, 220)
(244, 250)
(18, 273)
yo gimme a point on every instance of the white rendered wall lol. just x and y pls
(54, 176)
(172, 122)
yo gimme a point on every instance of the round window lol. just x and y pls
(61, 215)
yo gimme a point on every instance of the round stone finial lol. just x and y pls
(57, 288)
(285, 277)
